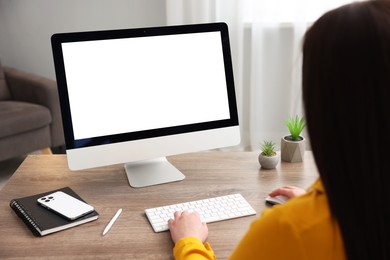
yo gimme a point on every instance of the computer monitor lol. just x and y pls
(135, 96)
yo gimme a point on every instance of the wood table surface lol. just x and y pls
(208, 174)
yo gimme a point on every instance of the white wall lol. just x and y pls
(26, 26)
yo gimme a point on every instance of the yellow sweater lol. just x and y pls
(300, 229)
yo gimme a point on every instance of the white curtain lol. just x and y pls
(266, 38)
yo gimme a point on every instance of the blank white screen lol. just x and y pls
(134, 84)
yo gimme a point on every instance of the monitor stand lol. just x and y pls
(152, 172)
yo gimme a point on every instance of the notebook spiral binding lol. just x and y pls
(30, 221)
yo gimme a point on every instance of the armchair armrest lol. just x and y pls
(39, 90)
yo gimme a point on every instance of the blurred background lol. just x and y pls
(266, 38)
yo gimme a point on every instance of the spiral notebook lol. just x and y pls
(41, 221)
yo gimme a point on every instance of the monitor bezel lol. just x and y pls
(72, 143)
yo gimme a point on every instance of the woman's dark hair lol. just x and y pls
(346, 93)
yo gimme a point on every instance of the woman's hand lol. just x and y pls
(288, 191)
(187, 224)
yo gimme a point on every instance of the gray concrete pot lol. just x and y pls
(292, 151)
(269, 162)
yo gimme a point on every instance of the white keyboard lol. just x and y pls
(210, 210)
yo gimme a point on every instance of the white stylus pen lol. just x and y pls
(112, 221)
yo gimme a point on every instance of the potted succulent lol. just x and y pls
(292, 146)
(268, 158)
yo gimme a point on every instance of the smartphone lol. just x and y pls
(65, 205)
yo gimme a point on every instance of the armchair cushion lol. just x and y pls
(30, 117)
(20, 117)
(4, 91)
(30, 88)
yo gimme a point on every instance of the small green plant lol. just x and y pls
(295, 126)
(268, 148)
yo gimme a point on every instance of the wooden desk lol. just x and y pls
(208, 174)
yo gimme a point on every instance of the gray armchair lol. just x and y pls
(30, 117)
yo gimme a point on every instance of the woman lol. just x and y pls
(346, 92)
